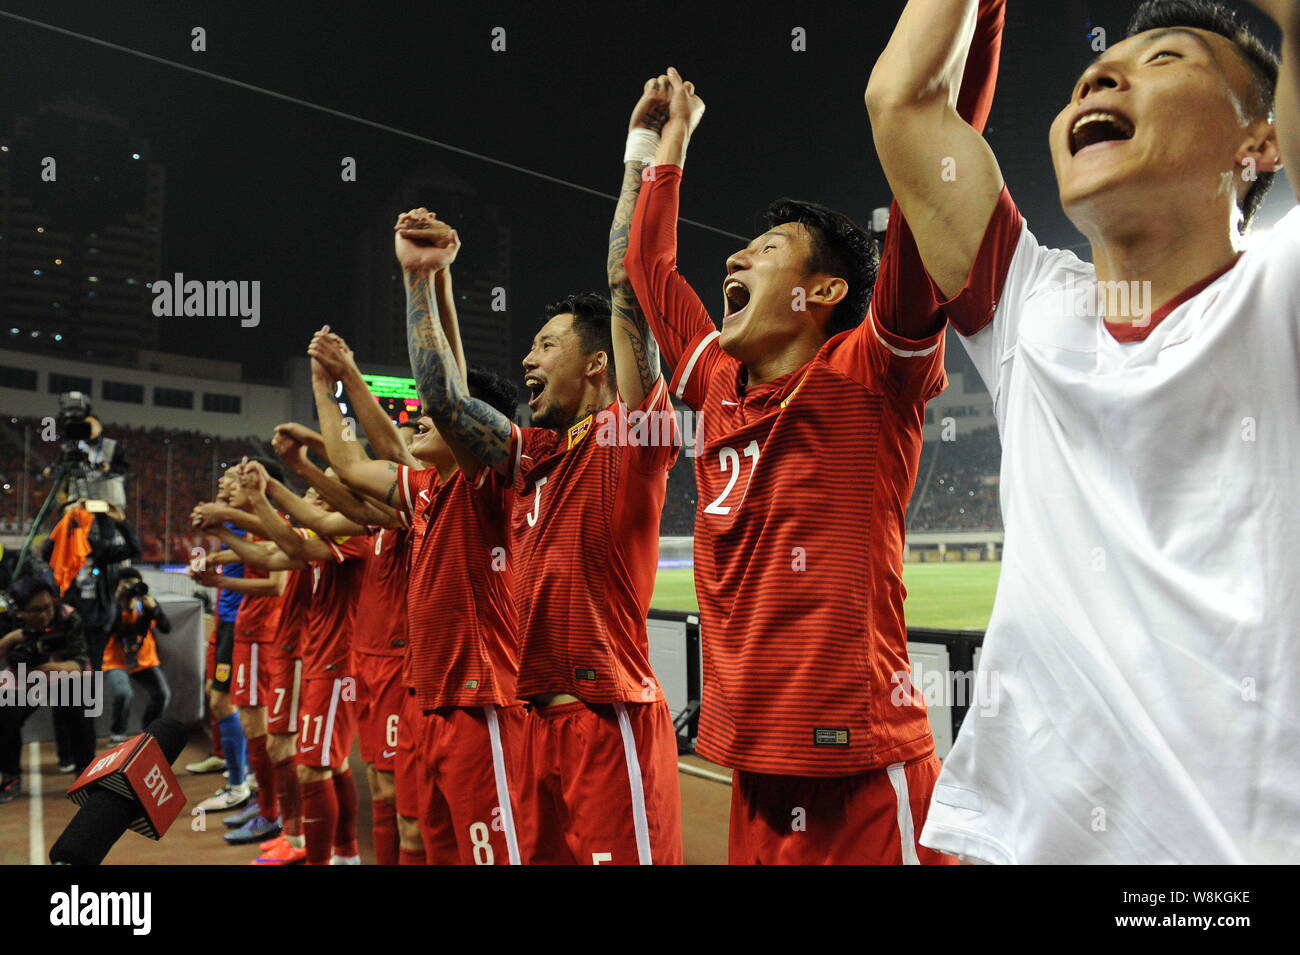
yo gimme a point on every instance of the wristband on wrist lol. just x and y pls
(642, 144)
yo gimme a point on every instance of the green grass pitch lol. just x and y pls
(956, 595)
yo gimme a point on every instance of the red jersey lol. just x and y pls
(460, 616)
(259, 617)
(586, 548)
(380, 628)
(803, 489)
(295, 605)
(326, 644)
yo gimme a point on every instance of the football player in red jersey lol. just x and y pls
(255, 626)
(811, 400)
(598, 762)
(327, 719)
(457, 732)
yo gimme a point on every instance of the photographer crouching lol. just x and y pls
(45, 663)
(131, 655)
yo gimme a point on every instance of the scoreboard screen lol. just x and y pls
(397, 396)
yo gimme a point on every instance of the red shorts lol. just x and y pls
(598, 783)
(285, 693)
(408, 766)
(252, 682)
(466, 803)
(379, 681)
(327, 722)
(872, 818)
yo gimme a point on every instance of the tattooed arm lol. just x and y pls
(331, 352)
(636, 355)
(478, 433)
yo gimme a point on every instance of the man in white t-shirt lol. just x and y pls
(1142, 691)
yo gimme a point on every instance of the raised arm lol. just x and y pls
(636, 355)
(444, 306)
(671, 307)
(332, 353)
(211, 514)
(478, 433)
(254, 481)
(244, 551)
(941, 171)
(302, 512)
(349, 505)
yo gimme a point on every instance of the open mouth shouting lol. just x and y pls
(1094, 128)
(536, 387)
(735, 296)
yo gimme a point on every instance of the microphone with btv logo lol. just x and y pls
(129, 787)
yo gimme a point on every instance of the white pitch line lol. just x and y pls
(35, 810)
(703, 773)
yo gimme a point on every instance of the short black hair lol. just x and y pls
(841, 248)
(494, 389)
(129, 573)
(272, 467)
(1264, 64)
(23, 589)
(591, 318)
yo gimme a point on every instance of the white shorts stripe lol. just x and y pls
(906, 832)
(252, 666)
(329, 722)
(294, 695)
(639, 822)
(503, 790)
(695, 356)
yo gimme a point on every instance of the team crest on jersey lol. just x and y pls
(830, 737)
(579, 431)
(584, 673)
(471, 684)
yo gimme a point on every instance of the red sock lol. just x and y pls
(264, 773)
(411, 856)
(320, 817)
(345, 835)
(215, 727)
(289, 791)
(384, 831)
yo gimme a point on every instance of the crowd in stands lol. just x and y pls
(956, 488)
(196, 461)
(956, 483)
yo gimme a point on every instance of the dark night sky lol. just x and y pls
(253, 188)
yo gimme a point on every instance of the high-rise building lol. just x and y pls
(378, 334)
(81, 209)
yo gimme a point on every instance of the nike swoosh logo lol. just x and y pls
(424, 495)
(306, 749)
(305, 821)
(734, 404)
(388, 755)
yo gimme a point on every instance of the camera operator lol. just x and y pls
(87, 554)
(50, 640)
(131, 655)
(107, 462)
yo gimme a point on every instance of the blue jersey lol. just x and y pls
(228, 601)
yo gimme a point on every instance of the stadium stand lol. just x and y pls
(957, 486)
(196, 461)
